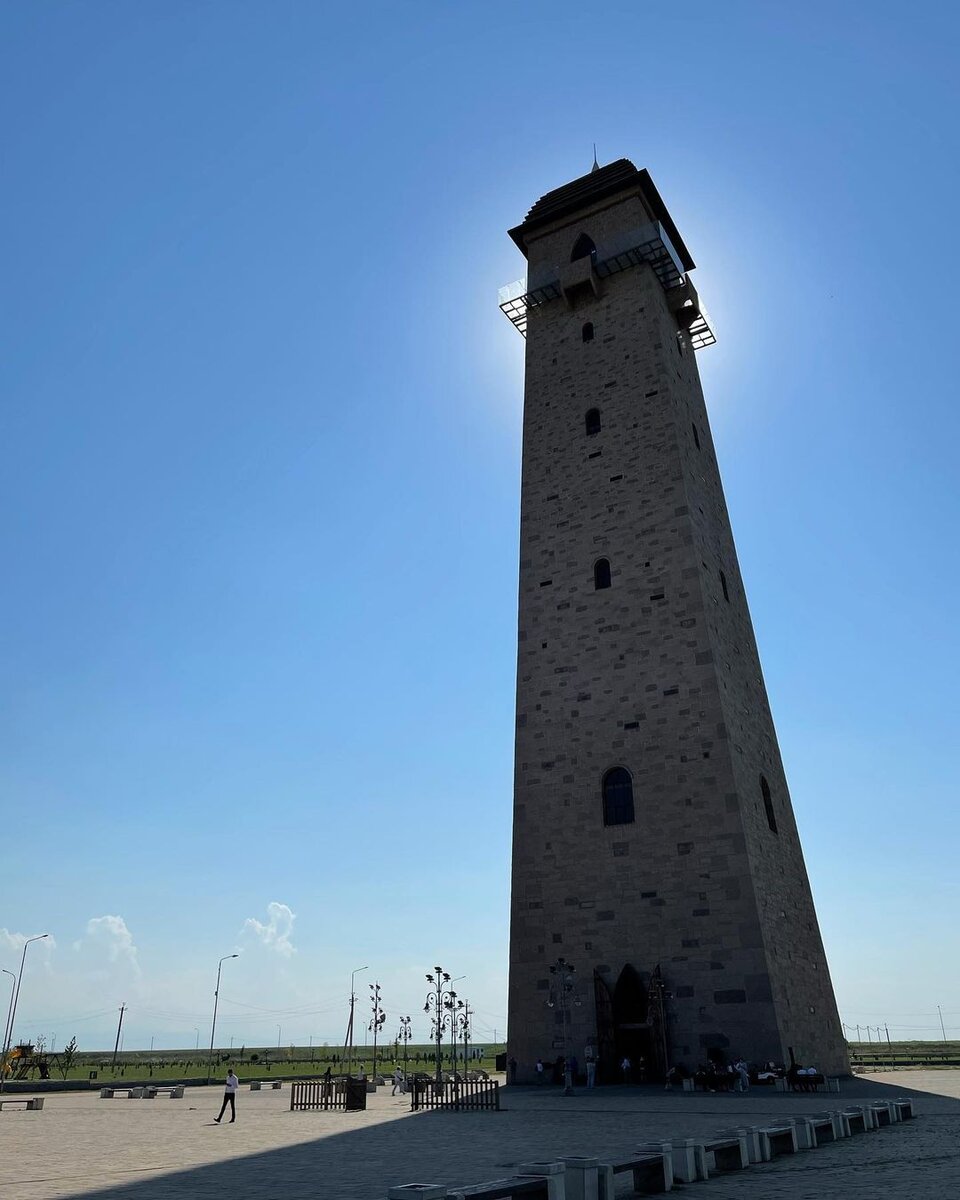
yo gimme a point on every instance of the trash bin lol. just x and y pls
(356, 1095)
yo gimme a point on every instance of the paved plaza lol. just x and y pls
(162, 1149)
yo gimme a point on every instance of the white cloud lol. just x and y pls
(275, 932)
(111, 934)
(15, 941)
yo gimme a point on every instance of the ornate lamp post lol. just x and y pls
(464, 1013)
(657, 998)
(441, 1000)
(403, 1035)
(562, 994)
(378, 1019)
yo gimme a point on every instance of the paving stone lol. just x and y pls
(80, 1145)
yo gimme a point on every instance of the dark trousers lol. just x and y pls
(231, 1099)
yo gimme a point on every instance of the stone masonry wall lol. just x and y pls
(655, 674)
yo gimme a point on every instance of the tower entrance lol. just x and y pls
(629, 1025)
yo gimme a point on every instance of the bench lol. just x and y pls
(535, 1186)
(726, 1152)
(133, 1093)
(651, 1171)
(824, 1128)
(271, 1084)
(904, 1109)
(30, 1103)
(858, 1119)
(781, 1139)
(753, 1144)
(175, 1092)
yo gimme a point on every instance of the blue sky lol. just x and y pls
(260, 443)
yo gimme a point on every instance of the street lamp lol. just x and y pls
(464, 1013)
(216, 998)
(16, 996)
(561, 993)
(378, 1019)
(404, 1034)
(6, 1028)
(441, 1001)
(348, 1041)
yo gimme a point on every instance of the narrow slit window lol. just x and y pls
(592, 421)
(587, 332)
(601, 574)
(723, 584)
(618, 797)
(696, 436)
(768, 804)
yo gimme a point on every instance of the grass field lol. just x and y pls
(872, 1055)
(249, 1062)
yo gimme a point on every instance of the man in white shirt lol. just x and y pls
(229, 1097)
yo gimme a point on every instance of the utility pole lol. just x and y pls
(943, 1032)
(116, 1045)
(886, 1030)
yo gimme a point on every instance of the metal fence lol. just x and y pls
(318, 1095)
(460, 1096)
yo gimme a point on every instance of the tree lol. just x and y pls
(68, 1056)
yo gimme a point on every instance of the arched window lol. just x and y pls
(601, 573)
(617, 797)
(592, 421)
(723, 584)
(587, 332)
(583, 247)
(768, 804)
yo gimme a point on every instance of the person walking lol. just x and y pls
(399, 1082)
(743, 1076)
(627, 1068)
(591, 1058)
(229, 1097)
(539, 1070)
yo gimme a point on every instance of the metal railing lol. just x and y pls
(318, 1095)
(458, 1096)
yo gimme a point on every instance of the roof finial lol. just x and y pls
(596, 165)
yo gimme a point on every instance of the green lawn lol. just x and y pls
(250, 1063)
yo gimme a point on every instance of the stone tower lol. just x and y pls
(654, 842)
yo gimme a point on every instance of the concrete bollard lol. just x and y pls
(806, 1139)
(753, 1142)
(553, 1172)
(581, 1178)
(688, 1085)
(689, 1161)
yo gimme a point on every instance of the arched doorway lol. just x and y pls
(630, 1024)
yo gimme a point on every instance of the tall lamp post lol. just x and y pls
(378, 1019)
(16, 996)
(464, 1013)
(6, 1028)
(348, 1041)
(404, 1035)
(216, 999)
(441, 1000)
(561, 994)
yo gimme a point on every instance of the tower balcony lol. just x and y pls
(649, 245)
